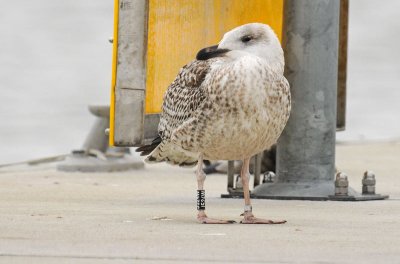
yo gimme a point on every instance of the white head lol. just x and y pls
(254, 38)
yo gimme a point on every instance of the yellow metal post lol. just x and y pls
(178, 29)
(113, 74)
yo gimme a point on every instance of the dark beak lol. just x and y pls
(210, 52)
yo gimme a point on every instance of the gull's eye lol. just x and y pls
(246, 39)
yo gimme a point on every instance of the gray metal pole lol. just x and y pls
(130, 73)
(306, 149)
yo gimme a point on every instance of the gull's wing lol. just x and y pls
(184, 96)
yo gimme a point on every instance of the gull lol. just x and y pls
(230, 103)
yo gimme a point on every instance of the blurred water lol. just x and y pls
(373, 103)
(55, 60)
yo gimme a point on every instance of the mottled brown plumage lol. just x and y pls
(229, 111)
(230, 104)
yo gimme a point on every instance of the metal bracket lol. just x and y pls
(234, 192)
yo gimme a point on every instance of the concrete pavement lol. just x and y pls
(53, 217)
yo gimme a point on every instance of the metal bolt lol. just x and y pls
(368, 183)
(111, 40)
(79, 153)
(107, 131)
(269, 177)
(341, 184)
(239, 184)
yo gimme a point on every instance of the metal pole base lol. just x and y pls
(295, 190)
(80, 161)
(354, 196)
(234, 193)
(96, 155)
(304, 191)
(316, 191)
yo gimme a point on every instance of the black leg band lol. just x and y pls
(201, 199)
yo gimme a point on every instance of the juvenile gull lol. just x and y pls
(231, 103)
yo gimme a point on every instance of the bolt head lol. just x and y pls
(239, 184)
(369, 174)
(369, 178)
(269, 176)
(341, 184)
(78, 153)
(370, 182)
(368, 189)
(341, 180)
(341, 175)
(341, 191)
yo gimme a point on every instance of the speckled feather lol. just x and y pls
(227, 107)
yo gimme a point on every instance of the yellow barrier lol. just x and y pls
(113, 74)
(178, 29)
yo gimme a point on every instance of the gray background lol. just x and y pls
(55, 60)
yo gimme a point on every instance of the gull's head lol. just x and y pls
(255, 38)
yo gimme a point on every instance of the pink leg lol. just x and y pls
(201, 215)
(249, 218)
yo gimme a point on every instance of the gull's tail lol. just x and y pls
(160, 151)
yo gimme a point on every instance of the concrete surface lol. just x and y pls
(53, 217)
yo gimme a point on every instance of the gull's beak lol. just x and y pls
(210, 52)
